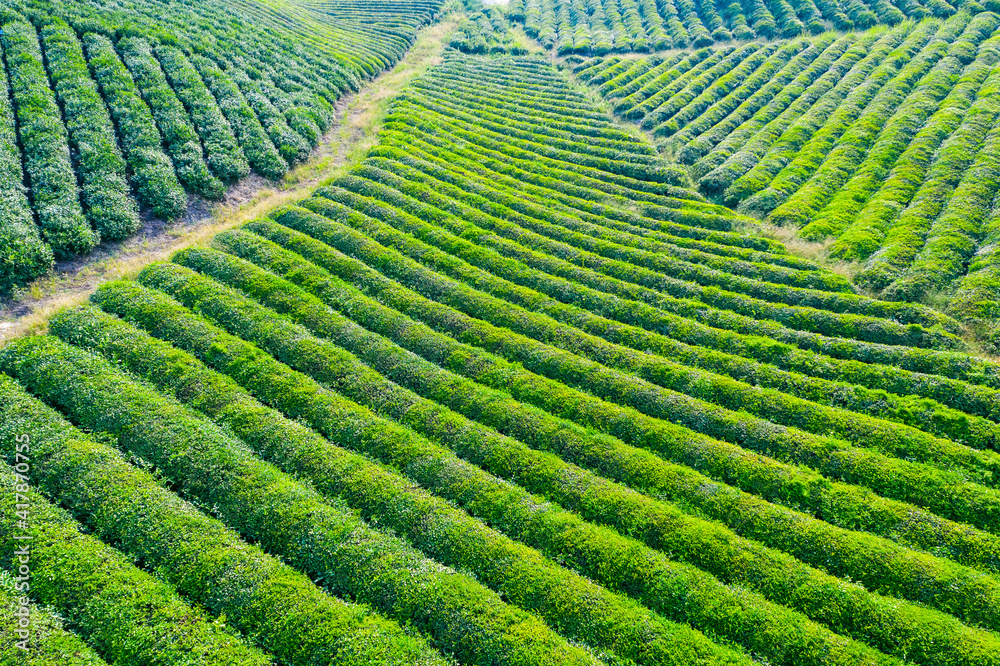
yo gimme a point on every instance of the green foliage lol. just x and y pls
(153, 175)
(50, 644)
(909, 229)
(486, 31)
(770, 480)
(104, 185)
(881, 142)
(245, 86)
(179, 137)
(24, 256)
(803, 308)
(126, 613)
(659, 524)
(954, 235)
(328, 541)
(763, 88)
(628, 312)
(510, 383)
(222, 152)
(718, 168)
(916, 119)
(651, 94)
(767, 184)
(447, 534)
(290, 144)
(658, 110)
(726, 92)
(256, 145)
(868, 230)
(825, 164)
(51, 181)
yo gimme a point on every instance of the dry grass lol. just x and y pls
(533, 46)
(816, 252)
(360, 119)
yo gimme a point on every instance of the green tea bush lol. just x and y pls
(651, 95)
(55, 196)
(840, 207)
(953, 237)
(222, 152)
(594, 306)
(104, 185)
(758, 190)
(729, 90)
(604, 621)
(738, 153)
(811, 319)
(24, 256)
(925, 361)
(486, 32)
(776, 482)
(179, 137)
(585, 356)
(261, 154)
(375, 489)
(822, 167)
(909, 229)
(290, 519)
(49, 643)
(872, 221)
(153, 177)
(516, 419)
(126, 613)
(292, 146)
(742, 60)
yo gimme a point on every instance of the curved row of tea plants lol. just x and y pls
(518, 389)
(487, 31)
(107, 112)
(598, 27)
(886, 148)
(325, 540)
(482, 495)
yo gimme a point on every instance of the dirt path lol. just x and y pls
(360, 119)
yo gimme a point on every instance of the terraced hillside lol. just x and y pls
(506, 393)
(883, 142)
(108, 114)
(487, 31)
(597, 27)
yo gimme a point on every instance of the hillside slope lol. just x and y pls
(882, 144)
(109, 115)
(525, 396)
(598, 27)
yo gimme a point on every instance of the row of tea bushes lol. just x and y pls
(44, 140)
(104, 186)
(107, 598)
(49, 644)
(114, 111)
(486, 32)
(431, 381)
(599, 27)
(881, 142)
(325, 540)
(24, 256)
(550, 529)
(500, 383)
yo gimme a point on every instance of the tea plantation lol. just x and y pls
(109, 113)
(597, 27)
(528, 383)
(882, 145)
